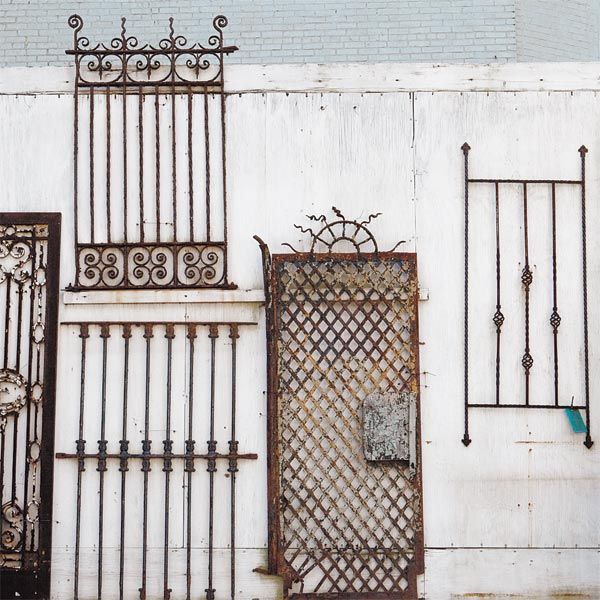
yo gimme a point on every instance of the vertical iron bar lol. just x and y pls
(167, 459)
(554, 317)
(18, 369)
(233, 449)
(19, 322)
(124, 100)
(189, 461)
(146, 461)
(3, 419)
(29, 377)
(224, 171)
(588, 439)
(2, 447)
(92, 186)
(466, 439)
(211, 463)
(80, 445)
(498, 316)
(157, 159)
(526, 279)
(102, 445)
(141, 159)
(207, 160)
(76, 162)
(38, 377)
(174, 158)
(124, 453)
(190, 165)
(108, 162)
(7, 321)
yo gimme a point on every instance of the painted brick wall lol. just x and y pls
(34, 32)
(556, 30)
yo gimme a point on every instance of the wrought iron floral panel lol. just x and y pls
(342, 328)
(150, 183)
(29, 257)
(526, 277)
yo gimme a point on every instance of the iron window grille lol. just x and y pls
(526, 277)
(149, 356)
(150, 209)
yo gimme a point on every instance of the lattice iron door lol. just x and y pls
(342, 331)
(29, 260)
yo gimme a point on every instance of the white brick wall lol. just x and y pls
(555, 30)
(267, 31)
(35, 32)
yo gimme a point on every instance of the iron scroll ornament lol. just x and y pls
(173, 61)
(339, 231)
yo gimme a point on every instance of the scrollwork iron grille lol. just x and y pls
(137, 378)
(148, 213)
(29, 257)
(340, 327)
(526, 277)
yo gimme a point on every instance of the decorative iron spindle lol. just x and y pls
(526, 278)
(123, 456)
(233, 449)
(498, 315)
(555, 316)
(172, 73)
(146, 445)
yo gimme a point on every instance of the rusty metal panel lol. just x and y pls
(29, 271)
(342, 328)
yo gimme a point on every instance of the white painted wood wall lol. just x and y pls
(515, 515)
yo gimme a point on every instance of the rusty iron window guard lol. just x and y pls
(526, 277)
(121, 456)
(149, 222)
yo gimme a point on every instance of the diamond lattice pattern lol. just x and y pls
(345, 329)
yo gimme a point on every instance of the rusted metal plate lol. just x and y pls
(386, 426)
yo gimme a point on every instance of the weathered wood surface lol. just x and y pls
(353, 77)
(517, 511)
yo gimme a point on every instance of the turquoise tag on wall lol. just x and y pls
(576, 420)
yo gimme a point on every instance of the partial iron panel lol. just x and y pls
(29, 265)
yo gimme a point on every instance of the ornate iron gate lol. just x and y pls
(29, 269)
(342, 337)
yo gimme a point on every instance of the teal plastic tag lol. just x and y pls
(576, 420)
